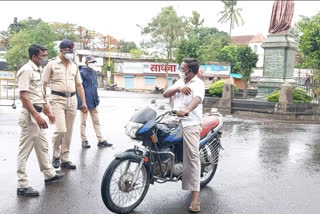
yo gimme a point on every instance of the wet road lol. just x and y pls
(266, 167)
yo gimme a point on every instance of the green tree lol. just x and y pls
(202, 43)
(195, 20)
(229, 54)
(231, 13)
(65, 31)
(125, 47)
(211, 50)
(309, 44)
(246, 60)
(19, 43)
(18, 46)
(190, 47)
(164, 33)
(136, 53)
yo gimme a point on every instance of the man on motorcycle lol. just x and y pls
(188, 94)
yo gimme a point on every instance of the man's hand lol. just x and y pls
(41, 122)
(184, 112)
(84, 108)
(52, 118)
(47, 112)
(186, 90)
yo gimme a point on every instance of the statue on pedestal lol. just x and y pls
(281, 17)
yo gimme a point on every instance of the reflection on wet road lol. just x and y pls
(266, 167)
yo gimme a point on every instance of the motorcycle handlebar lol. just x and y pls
(175, 112)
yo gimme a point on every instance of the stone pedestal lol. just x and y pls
(285, 98)
(279, 55)
(226, 100)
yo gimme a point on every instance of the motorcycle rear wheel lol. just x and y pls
(206, 177)
(116, 191)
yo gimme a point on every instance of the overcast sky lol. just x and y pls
(119, 18)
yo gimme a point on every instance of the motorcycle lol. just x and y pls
(157, 158)
(112, 87)
(158, 90)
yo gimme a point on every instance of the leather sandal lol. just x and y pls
(194, 207)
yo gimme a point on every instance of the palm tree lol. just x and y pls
(231, 13)
(195, 19)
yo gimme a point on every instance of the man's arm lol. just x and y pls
(170, 92)
(24, 96)
(193, 104)
(47, 112)
(80, 91)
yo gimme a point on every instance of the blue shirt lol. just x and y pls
(90, 86)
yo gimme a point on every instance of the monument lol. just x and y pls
(279, 50)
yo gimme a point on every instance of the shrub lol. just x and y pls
(216, 89)
(299, 96)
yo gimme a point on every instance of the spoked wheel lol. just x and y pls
(118, 193)
(209, 156)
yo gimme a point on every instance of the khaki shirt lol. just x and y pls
(61, 78)
(30, 79)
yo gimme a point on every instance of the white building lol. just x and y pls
(254, 42)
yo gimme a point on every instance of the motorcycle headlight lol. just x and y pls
(131, 129)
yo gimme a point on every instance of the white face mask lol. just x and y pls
(69, 56)
(182, 75)
(91, 66)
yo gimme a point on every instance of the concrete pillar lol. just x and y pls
(285, 99)
(226, 100)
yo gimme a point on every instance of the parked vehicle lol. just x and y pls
(112, 87)
(157, 159)
(158, 90)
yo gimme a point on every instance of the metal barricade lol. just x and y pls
(8, 77)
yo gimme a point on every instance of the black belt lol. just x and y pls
(63, 94)
(37, 108)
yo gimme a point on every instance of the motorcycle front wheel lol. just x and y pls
(117, 193)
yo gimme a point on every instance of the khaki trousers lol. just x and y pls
(95, 122)
(191, 158)
(32, 136)
(64, 109)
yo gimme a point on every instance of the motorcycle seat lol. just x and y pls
(208, 123)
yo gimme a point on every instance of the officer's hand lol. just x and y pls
(186, 90)
(52, 118)
(84, 108)
(182, 113)
(41, 122)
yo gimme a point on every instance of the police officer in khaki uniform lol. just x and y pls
(32, 123)
(64, 78)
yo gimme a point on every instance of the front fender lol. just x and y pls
(136, 155)
(130, 153)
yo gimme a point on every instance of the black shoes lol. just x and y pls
(68, 165)
(56, 163)
(104, 144)
(57, 177)
(30, 192)
(85, 144)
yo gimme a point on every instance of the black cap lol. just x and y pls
(66, 43)
(90, 59)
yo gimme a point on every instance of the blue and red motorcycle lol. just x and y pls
(158, 158)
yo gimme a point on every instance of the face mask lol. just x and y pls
(69, 56)
(182, 75)
(44, 61)
(91, 65)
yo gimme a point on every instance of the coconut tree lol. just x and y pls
(232, 13)
(195, 20)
